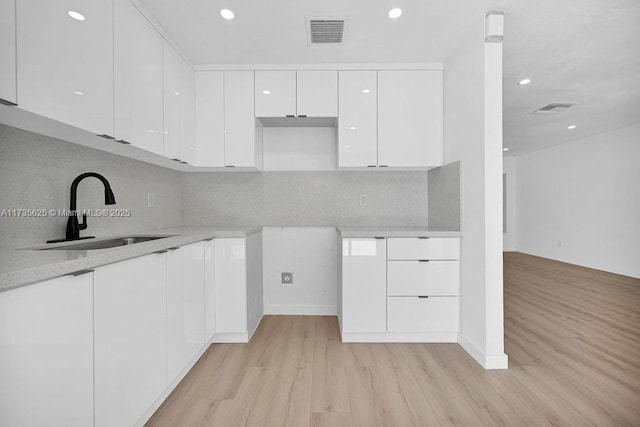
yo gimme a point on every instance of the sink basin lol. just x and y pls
(104, 244)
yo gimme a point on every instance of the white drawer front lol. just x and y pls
(415, 248)
(413, 314)
(415, 278)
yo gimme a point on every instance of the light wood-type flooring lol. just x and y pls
(572, 335)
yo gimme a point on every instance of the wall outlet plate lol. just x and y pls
(287, 278)
(150, 200)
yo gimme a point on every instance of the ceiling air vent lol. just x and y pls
(326, 31)
(553, 108)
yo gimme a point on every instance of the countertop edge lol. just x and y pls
(98, 258)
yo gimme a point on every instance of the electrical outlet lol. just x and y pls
(149, 200)
(364, 200)
(287, 278)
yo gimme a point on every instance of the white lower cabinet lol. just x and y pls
(423, 277)
(185, 306)
(364, 285)
(46, 353)
(238, 288)
(130, 338)
(209, 291)
(422, 314)
(400, 289)
(231, 286)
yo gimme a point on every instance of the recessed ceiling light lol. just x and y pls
(571, 127)
(353, 128)
(177, 93)
(151, 131)
(524, 82)
(266, 92)
(505, 149)
(227, 14)
(76, 15)
(366, 90)
(395, 13)
(77, 92)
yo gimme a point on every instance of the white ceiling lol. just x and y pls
(584, 51)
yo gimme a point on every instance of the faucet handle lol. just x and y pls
(83, 226)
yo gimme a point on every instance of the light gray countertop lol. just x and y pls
(396, 232)
(22, 266)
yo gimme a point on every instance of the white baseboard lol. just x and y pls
(300, 310)
(230, 337)
(172, 385)
(487, 361)
(398, 337)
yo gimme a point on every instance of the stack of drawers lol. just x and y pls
(423, 284)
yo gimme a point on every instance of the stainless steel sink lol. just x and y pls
(104, 244)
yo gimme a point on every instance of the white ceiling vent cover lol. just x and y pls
(326, 31)
(553, 108)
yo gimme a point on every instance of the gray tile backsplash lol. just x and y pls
(297, 199)
(36, 172)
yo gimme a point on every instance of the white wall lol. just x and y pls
(473, 135)
(311, 254)
(579, 202)
(510, 170)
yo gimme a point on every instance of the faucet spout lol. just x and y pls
(73, 226)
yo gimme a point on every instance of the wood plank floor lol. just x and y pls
(572, 335)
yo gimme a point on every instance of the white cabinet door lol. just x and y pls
(138, 79)
(432, 248)
(209, 291)
(410, 114)
(171, 87)
(46, 353)
(239, 119)
(210, 118)
(317, 93)
(65, 66)
(130, 308)
(185, 306)
(357, 126)
(187, 112)
(364, 285)
(8, 52)
(418, 278)
(231, 285)
(275, 93)
(415, 314)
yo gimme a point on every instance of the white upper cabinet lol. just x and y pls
(210, 118)
(357, 130)
(410, 115)
(275, 93)
(138, 79)
(65, 65)
(317, 94)
(46, 353)
(240, 125)
(187, 112)
(171, 83)
(8, 52)
(296, 93)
